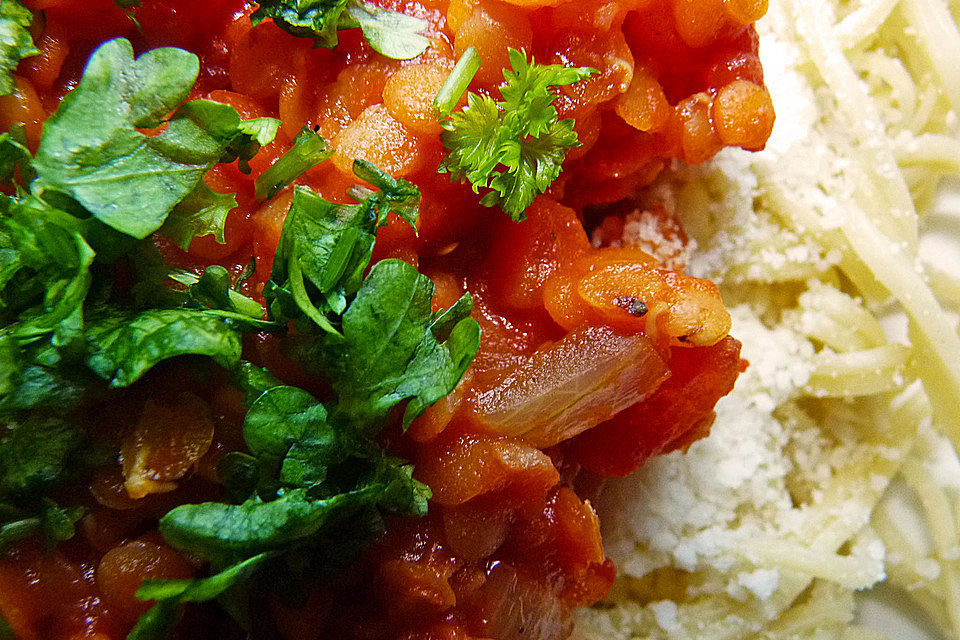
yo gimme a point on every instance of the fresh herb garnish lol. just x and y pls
(14, 156)
(312, 485)
(312, 482)
(94, 152)
(44, 271)
(122, 347)
(392, 350)
(309, 149)
(212, 290)
(456, 84)
(15, 41)
(202, 212)
(395, 35)
(515, 146)
(325, 247)
(35, 457)
(157, 623)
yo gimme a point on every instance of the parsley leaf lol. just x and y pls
(212, 290)
(314, 478)
(34, 456)
(44, 271)
(14, 155)
(325, 247)
(15, 41)
(40, 377)
(516, 146)
(395, 35)
(160, 620)
(93, 150)
(123, 347)
(389, 352)
(202, 212)
(392, 34)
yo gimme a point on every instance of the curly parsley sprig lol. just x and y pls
(515, 146)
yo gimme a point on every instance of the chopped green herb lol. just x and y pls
(157, 623)
(122, 347)
(44, 271)
(14, 156)
(514, 147)
(202, 212)
(263, 130)
(93, 150)
(395, 35)
(15, 41)
(325, 247)
(87, 308)
(212, 290)
(456, 84)
(389, 352)
(34, 456)
(392, 34)
(309, 149)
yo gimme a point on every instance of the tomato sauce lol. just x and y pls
(508, 548)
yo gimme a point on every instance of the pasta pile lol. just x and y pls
(833, 467)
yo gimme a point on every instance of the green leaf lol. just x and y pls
(240, 474)
(389, 352)
(287, 429)
(279, 417)
(123, 347)
(212, 290)
(44, 271)
(325, 247)
(200, 590)
(93, 151)
(446, 321)
(395, 35)
(35, 378)
(392, 34)
(15, 41)
(262, 130)
(515, 147)
(157, 623)
(394, 194)
(222, 531)
(253, 381)
(316, 19)
(202, 212)
(15, 155)
(309, 149)
(13, 532)
(59, 523)
(34, 456)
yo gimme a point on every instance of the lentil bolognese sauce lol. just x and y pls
(277, 481)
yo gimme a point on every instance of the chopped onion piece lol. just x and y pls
(567, 387)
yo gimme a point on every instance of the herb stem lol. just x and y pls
(309, 149)
(456, 83)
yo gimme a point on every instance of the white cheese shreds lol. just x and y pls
(767, 527)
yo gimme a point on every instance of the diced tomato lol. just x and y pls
(461, 468)
(529, 252)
